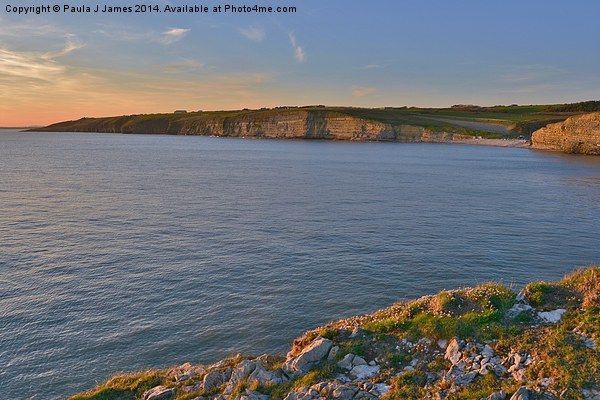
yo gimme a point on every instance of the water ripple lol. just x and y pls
(123, 252)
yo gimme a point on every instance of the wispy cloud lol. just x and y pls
(173, 35)
(18, 30)
(36, 85)
(72, 44)
(115, 32)
(360, 91)
(36, 66)
(373, 66)
(519, 74)
(33, 66)
(184, 66)
(299, 53)
(254, 33)
(35, 88)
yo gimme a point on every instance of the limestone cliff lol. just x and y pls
(579, 134)
(280, 124)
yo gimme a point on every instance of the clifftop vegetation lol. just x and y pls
(485, 342)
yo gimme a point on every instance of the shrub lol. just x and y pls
(534, 293)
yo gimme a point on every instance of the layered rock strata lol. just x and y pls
(578, 135)
(285, 124)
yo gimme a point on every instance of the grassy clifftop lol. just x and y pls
(485, 342)
(298, 122)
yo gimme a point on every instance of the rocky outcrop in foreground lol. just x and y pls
(579, 135)
(483, 343)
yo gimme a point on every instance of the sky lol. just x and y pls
(63, 66)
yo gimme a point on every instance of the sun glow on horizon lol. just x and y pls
(57, 67)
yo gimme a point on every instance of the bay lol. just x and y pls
(123, 252)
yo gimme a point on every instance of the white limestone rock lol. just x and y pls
(363, 372)
(552, 317)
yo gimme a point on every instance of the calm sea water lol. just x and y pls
(124, 252)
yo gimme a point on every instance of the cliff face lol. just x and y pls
(295, 125)
(288, 124)
(580, 134)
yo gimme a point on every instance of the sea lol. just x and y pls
(126, 252)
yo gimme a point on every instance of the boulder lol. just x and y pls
(265, 377)
(453, 353)
(591, 394)
(500, 370)
(213, 380)
(252, 395)
(519, 375)
(359, 361)
(303, 394)
(517, 309)
(363, 372)
(487, 351)
(361, 395)
(466, 379)
(311, 355)
(545, 382)
(552, 316)
(501, 395)
(381, 388)
(185, 372)
(346, 362)
(589, 343)
(238, 374)
(521, 394)
(485, 369)
(159, 393)
(343, 392)
(343, 378)
(333, 352)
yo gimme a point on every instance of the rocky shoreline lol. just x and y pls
(576, 135)
(484, 342)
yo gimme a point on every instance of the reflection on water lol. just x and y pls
(122, 252)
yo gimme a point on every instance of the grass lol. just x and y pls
(581, 286)
(328, 333)
(124, 387)
(276, 392)
(483, 387)
(323, 372)
(239, 389)
(387, 325)
(560, 355)
(475, 312)
(408, 385)
(586, 282)
(537, 293)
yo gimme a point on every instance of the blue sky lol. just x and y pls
(378, 53)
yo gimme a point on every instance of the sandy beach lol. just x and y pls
(495, 142)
